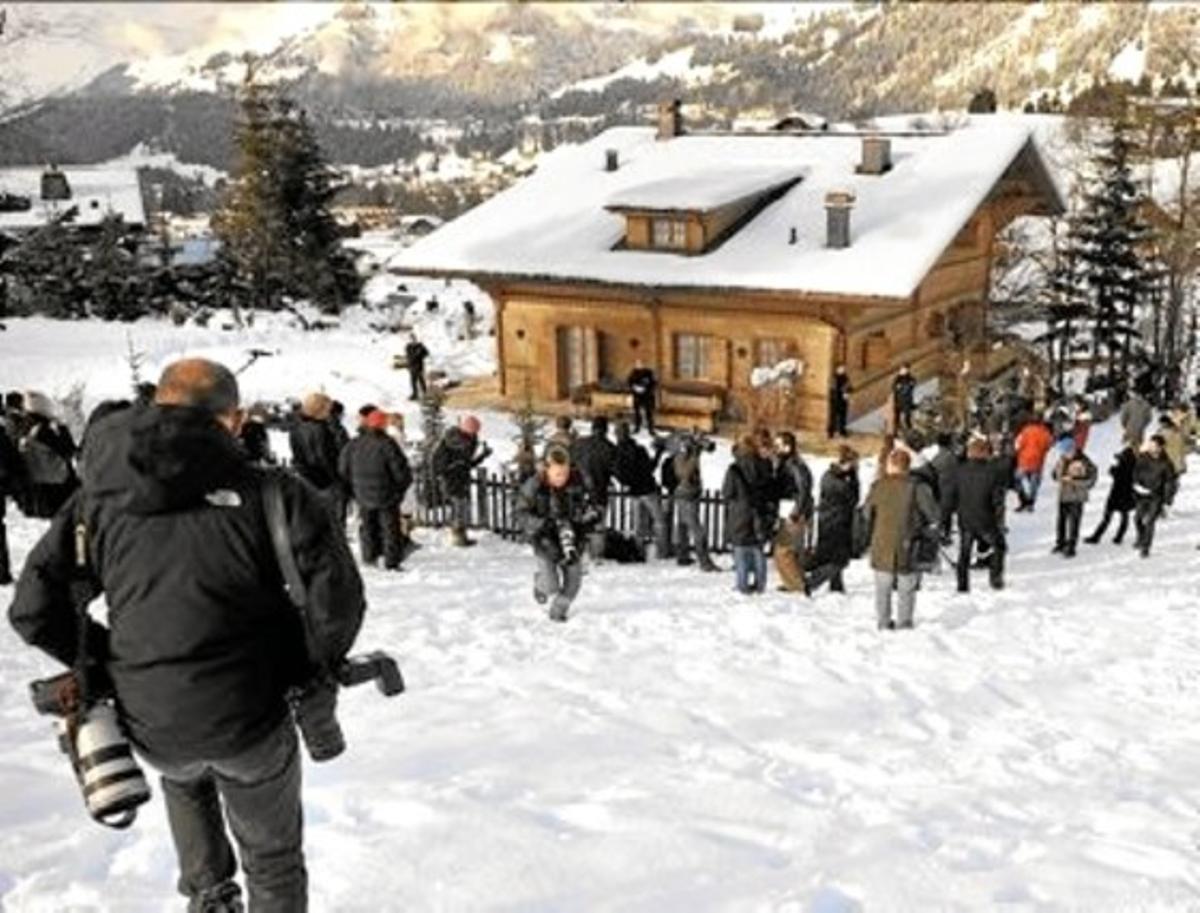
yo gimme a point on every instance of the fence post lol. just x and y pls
(481, 505)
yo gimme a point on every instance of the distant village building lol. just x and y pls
(412, 228)
(709, 255)
(83, 197)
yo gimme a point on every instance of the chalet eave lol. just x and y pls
(485, 278)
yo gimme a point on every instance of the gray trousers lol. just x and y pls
(906, 587)
(260, 792)
(460, 513)
(559, 582)
(690, 529)
(650, 513)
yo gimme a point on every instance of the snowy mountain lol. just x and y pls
(368, 69)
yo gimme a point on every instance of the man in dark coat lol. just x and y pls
(378, 475)
(836, 506)
(314, 448)
(201, 643)
(636, 470)
(643, 385)
(556, 516)
(839, 402)
(904, 388)
(595, 457)
(899, 509)
(977, 496)
(415, 356)
(1120, 498)
(1152, 479)
(456, 456)
(748, 490)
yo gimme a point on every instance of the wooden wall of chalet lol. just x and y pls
(872, 337)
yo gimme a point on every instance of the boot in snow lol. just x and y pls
(459, 538)
(224, 898)
(558, 611)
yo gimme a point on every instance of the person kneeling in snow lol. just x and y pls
(556, 515)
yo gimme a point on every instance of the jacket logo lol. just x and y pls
(224, 497)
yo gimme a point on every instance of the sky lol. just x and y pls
(48, 46)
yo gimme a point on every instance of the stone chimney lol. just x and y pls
(670, 119)
(612, 160)
(876, 155)
(837, 218)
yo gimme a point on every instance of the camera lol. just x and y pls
(91, 737)
(314, 707)
(567, 543)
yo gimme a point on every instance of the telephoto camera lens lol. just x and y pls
(315, 710)
(113, 784)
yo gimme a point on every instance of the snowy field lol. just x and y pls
(676, 747)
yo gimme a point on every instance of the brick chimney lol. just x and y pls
(876, 155)
(837, 218)
(612, 160)
(670, 119)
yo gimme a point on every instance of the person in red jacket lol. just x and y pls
(1032, 444)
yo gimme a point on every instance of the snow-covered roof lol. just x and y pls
(705, 188)
(96, 191)
(554, 224)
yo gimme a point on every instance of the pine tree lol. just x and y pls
(1111, 232)
(531, 431)
(1065, 300)
(275, 224)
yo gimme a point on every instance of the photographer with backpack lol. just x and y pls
(202, 644)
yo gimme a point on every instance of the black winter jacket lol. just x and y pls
(376, 470)
(453, 459)
(977, 496)
(796, 484)
(541, 509)
(748, 496)
(1120, 496)
(314, 452)
(201, 641)
(635, 468)
(596, 458)
(1152, 477)
(835, 516)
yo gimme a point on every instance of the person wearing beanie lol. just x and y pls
(554, 512)
(456, 455)
(378, 476)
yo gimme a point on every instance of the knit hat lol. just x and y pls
(376, 420)
(469, 425)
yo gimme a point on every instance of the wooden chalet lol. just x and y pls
(708, 255)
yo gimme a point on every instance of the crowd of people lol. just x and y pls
(203, 649)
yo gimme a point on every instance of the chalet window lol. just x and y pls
(692, 356)
(669, 234)
(770, 352)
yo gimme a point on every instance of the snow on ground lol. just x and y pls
(678, 747)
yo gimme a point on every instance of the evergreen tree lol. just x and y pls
(277, 232)
(1065, 301)
(1111, 231)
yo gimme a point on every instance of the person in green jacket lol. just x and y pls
(899, 511)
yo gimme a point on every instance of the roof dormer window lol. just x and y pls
(668, 233)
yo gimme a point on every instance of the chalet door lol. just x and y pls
(578, 358)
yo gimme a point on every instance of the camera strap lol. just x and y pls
(82, 591)
(281, 541)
